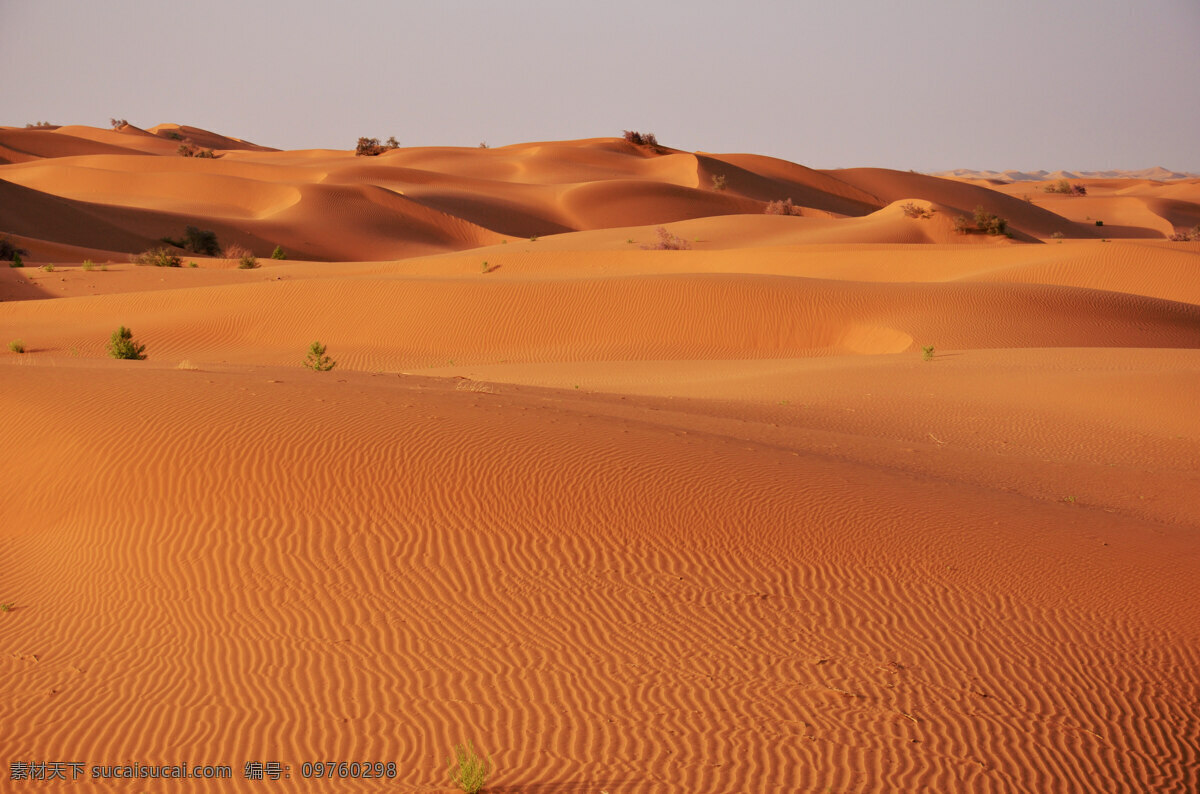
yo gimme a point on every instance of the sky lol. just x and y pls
(927, 85)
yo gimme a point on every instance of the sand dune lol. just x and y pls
(632, 520)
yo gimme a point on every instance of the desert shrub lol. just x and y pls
(118, 123)
(1184, 235)
(989, 223)
(316, 359)
(189, 149)
(719, 182)
(9, 249)
(914, 210)
(484, 145)
(1066, 188)
(16, 346)
(247, 262)
(40, 125)
(927, 352)
(278, 253)
(236, 251)
(468, 770)
(984, 223)
(392, 143)
(198, 241)
(1057, 236)
(48, 267)
(1099, 223)
(175, 136)
(646, 139)
(17, 261)
(158, 257)
(667, 242)
(121, 345)
(369, 147)
(87, 265)
(783, 207)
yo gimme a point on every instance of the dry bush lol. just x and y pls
(235, 251)
(667, 242)
(914, 210)
(784, 207)
(118, 123)
(40, 125)
(157, 257)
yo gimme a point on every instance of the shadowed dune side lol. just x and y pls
(423, 563)
(1024, 216)
(770, 179)
(206, 139)
(22, 146)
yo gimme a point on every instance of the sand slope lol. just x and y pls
(631, 520)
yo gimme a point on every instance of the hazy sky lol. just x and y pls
(922, 84)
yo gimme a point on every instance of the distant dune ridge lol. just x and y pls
(629, 516)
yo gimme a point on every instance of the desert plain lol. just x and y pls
(631, 517)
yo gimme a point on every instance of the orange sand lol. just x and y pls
(631, 520)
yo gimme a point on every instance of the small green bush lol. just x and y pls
(158, 257)
(87, 265)
(247, 262)
(48, 267)
(468, 770)
(16, 346)
(316, 359)
(278, 253)
(121, 345)
(927, 352)
(984, 223)
(17, 261)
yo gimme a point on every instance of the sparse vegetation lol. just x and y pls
(647, 139)
(782, 207)
(1066, 188)
(984, 223)
(719, 182)
(87, 265)
(48, 267)
(1099, 223)
(533, 238)
(316, 359)
(40, 125)
(189, 149)
(196, 240)
(118, 123)
(10, 251)
(468, 770)
(484, 145)
(121, 345)
(914, 210)
(158, 257)
(235, 251)
(927, 352)
(175, 136)
(1184, 235)
(247, 262)
(1057, 236)
(8, 607)
(371, 147)
(16, 346)
(17, 261)
(667, 241)
(278, 253)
